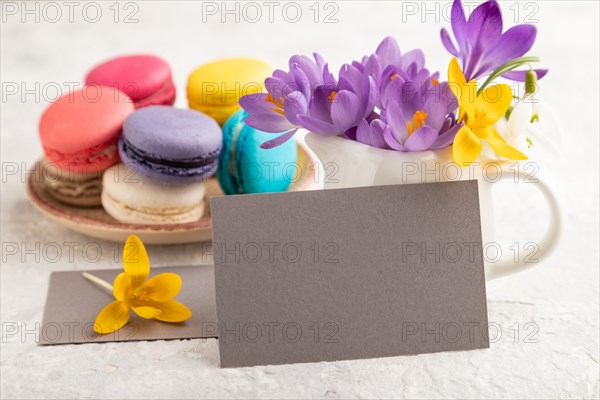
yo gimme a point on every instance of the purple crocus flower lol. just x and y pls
(388, 54)
(420, 78)
(336, 107)
(388, 62)
(288, 95)
(482, 47)
(416, 117)
(310, 97)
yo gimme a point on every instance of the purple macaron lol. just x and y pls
(171, 145)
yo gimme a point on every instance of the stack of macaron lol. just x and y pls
(79, 136)
(215, 88)
(245, 167)
(120, 143)
(167, 154)
(146, 79)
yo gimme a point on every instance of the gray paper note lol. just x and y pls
(73, 303)
(349, 273)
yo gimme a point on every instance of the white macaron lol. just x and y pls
(130, 198)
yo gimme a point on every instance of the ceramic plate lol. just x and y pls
(97, 223)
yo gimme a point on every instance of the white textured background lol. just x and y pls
(560, 297)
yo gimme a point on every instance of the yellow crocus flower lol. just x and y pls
(149, 298)
(479, 113)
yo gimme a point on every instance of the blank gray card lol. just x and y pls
(349, 273)
(73, 303)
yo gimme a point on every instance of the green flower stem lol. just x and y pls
(507, 67)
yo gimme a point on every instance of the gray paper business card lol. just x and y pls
(73, 303)
(349, 273)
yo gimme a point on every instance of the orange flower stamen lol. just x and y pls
(278, 111)
(332, 95)
(417, 122)
(270, 99)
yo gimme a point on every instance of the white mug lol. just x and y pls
(347, 163)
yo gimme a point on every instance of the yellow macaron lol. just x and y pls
(215, 88)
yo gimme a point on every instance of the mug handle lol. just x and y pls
(507, 264)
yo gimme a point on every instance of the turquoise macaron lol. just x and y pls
(244, 167)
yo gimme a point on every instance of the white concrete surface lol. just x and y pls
(559, 299)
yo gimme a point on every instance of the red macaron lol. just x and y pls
(147, 79)
(79, 132)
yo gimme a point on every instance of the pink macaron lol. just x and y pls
(147, 79)
(79, 131)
